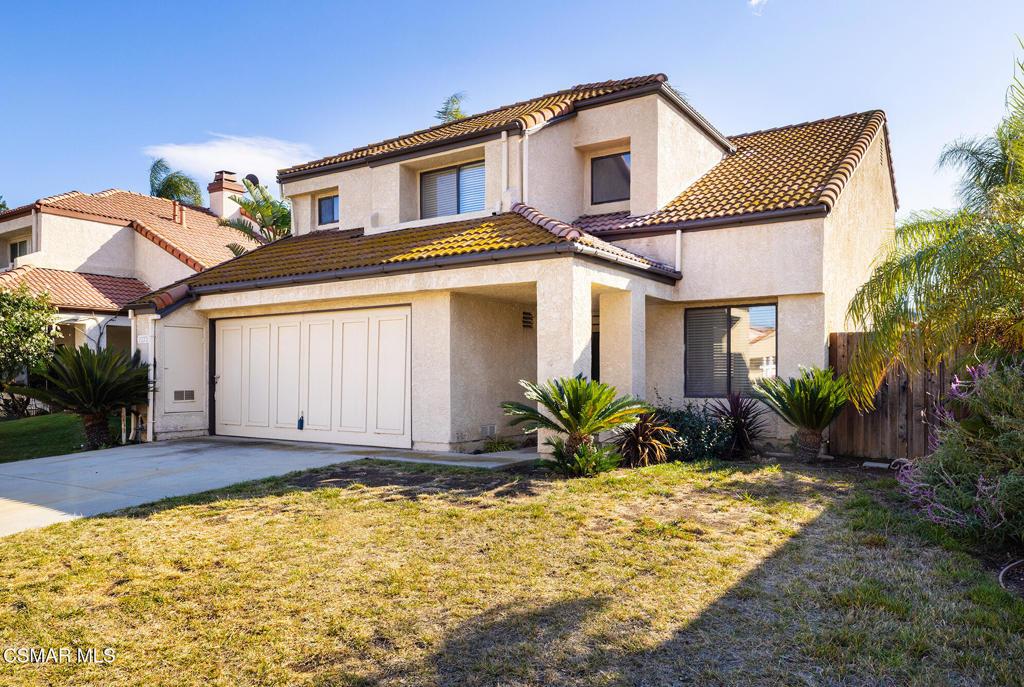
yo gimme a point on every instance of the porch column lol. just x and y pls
(623, 325)
(431, 364)
(563, 322)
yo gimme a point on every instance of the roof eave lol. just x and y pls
(763, 217)
(655, 272)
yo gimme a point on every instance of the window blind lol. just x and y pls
(471, 187)
(707, 358)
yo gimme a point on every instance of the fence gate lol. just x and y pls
(904, 411)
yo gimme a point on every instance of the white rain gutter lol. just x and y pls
(504, 168)
(679, 250)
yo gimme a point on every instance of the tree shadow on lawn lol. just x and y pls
(854, 598)
(466, 486)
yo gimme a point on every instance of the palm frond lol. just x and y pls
(451, 108)
(176, 185)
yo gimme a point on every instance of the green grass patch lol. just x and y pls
(43, 435)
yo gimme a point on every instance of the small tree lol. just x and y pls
(93, 384)
(265, 219)
(451, 108)
(3, 204)
(26, 340)
(173, 185)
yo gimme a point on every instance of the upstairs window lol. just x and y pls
(452, 191)
(18, 248)
(327, 210)
(729, 348)
(609, 178)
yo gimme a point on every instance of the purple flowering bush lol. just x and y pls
(973, 480)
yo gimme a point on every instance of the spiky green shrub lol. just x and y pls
(92, 384)
(577, 410)
(586, 461)
(647, 442)
(745, 418)
(809, 403)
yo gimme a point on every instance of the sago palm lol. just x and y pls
(809, 403)
(576, 407)
(264, 219)
(173, 185)
(950, 282)
(92, 384)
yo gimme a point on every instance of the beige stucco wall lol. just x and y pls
(155, 266)
(70, 243)
(490, 352)
(860, 224)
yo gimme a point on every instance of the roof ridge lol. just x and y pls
(162, 241)
(659, 77)
(807, 123)
(60, 196)
(555, 226)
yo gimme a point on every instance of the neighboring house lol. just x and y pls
(606, 229)
(95, 253)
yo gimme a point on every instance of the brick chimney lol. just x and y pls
(223, 186)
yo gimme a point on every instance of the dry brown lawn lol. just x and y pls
(373, 573)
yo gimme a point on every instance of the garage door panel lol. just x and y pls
(257, 391)
(286, 391)
(346, 373)
(354, 372)
(319, 374)
(390, 375)
(229, 371)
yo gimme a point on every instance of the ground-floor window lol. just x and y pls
(728, 348)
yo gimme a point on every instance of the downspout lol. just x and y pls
(151, 356)
(679, 250)
(128, 432)
(37, 235)
(526, 167)
(504, 170)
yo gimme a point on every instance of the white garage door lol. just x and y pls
(344, 376)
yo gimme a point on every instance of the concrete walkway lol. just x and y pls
(42, 491)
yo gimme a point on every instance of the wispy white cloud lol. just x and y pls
(259, 155)
(757, 6)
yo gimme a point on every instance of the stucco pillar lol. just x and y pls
(563, 322)
(431, 371)
(623, 323)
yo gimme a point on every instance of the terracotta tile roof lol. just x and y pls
(522, 115)
(200, 242)
(76, 290)
(798, 166)
(331, 252)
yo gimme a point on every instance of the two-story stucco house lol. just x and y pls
(607, 229)
(95, 253)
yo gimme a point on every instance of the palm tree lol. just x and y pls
(176, 185)
(576, 407)
(265, 219)
(92, 384)
(3, 204)
(950, 282)
(451, 108)
(809, 403)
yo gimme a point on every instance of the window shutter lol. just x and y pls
(707, 359)
(471, 187)
(438, 193)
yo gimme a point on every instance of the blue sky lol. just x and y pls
(93, 90)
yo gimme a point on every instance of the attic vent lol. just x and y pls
(184, 394)
(527, 319)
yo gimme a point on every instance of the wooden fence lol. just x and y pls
(899, 426)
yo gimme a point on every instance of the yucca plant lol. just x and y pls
(575, 407)
(647, 442)
(744, 417)
(809, 403)
(92, 384)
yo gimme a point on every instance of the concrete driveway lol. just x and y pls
(42, 491)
